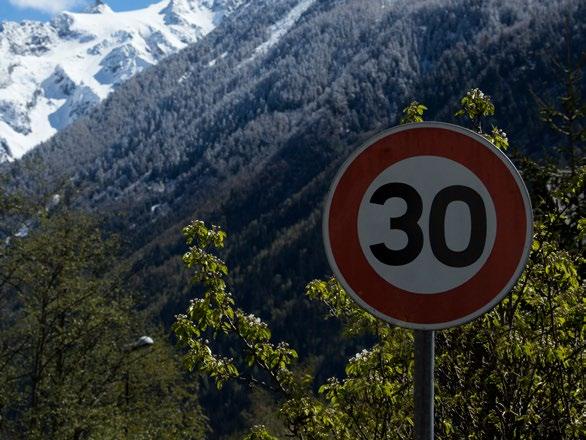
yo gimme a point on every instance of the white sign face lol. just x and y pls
(425, 273)
(428, 225)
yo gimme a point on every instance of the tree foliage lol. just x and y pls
(475, 106)
(517, 372)
(567, 116)
(413, 113)
(66, 369)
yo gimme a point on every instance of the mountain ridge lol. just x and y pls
(208, 115)
(53, 73)
(207, 134)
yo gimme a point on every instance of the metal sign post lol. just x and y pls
(424, 392)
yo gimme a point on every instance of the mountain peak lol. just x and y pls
(177, 11)
(53, 73)
(99, 7)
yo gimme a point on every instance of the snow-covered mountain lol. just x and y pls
(52, 73)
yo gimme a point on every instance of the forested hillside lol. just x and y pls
(244, 110)
(247, 127)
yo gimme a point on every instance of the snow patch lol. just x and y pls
(52, 73)
(59, 85)
(77, 105)
(213, 62)
(5, 153)
(22, 232)
(15, 114)
(120, 64)
(281, 28)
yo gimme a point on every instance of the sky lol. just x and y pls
(17, 10)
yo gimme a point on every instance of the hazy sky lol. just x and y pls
(16, 10)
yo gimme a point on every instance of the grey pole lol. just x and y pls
(140, 343)
(424, 360)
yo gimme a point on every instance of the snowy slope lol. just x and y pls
(53, 73)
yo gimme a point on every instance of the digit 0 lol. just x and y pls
(437, 220)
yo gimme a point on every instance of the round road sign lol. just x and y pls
(428, 225)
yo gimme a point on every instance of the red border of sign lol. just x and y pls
(467, 301)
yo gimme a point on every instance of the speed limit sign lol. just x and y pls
(428, 225)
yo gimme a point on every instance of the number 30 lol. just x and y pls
(408, 223)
